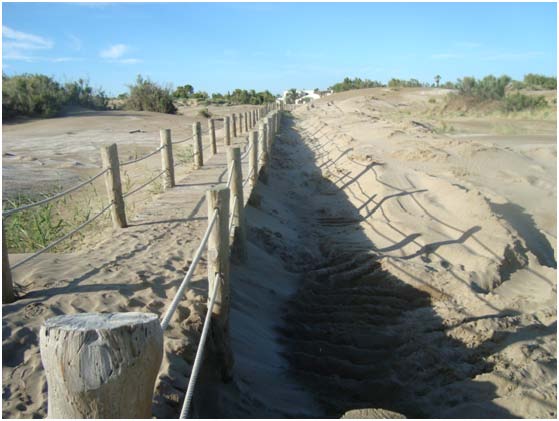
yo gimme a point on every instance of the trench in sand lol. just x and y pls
(318, 329)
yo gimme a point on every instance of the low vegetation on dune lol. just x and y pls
(35, 95)
(146, 95)
(237, 97)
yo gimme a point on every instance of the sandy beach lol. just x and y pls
(393, 265)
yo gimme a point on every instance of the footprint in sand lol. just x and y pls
(34, 310)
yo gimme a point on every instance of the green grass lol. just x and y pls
(36, 228)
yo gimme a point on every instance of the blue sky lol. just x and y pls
(218, 47)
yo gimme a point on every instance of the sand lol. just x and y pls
(390, 267)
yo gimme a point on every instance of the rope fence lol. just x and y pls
(215, 239)
(133, 161)
(9, 212)
(61, 239)
(137, 189)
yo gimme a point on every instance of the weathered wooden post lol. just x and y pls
(167, 163)
(198, 152)
(254, 117)
(263, 151)
(8, 295)
(211, 129)
(247, 123)
(269, 133)
(101, 365)
(109, 158)
(234, 124)
(218, 275)
(253, 159)
(227, 129)
(240, 123)
(238, 211)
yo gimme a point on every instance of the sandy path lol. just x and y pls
(136, 269)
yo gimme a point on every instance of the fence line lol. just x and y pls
(218, 245)
(53, 244)
(199, 354)
(151, 180)
(133, 161)
(56, 196)
(188, 276)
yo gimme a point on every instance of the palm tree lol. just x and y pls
(437, 80)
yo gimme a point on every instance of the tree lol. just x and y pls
(437, 80)
(183, 91)
(291, 96)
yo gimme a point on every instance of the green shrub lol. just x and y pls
(432, 100)
(37, 95)
(146, 95)
(488, 88)
(535, 81)
(205, 113)
(519, 102)
(356, 83)
(31, 95)
(400, 83)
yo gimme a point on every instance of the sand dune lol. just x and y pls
(392, 267)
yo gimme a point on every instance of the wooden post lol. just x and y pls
(167, 163)
(211, 129)
(198, 152)
(234, 124)
(269, 134)
(218, 267)
(8, 295)
(240, 123)
(247, 123)
(254, 117)
(239, 223)
(227, 129)
(101, 365)
(109, 158)
(263, 151)
(253, 159)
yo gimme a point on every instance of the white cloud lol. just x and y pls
(129, 61)
(114, 51)
(18, 45)
(24, 40)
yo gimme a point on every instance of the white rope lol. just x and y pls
(89, 221)
(133, 161)
(199, 352)
(124, 196)
(182, 141)
(234, 207)
(186, 280)
(230, 177)
(248, 177)
(56, 196)
(247, 151)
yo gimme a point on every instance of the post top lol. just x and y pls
(94, 321)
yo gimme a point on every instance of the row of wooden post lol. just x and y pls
(87, 376)
(113, 184)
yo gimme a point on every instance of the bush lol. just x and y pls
(205, 113)
(488, 88)
(37, 95)
(535, 81)
(80, 93)
(356, 83)
(31, 95)
(399, 83)
(146, 95)
(519, 102)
